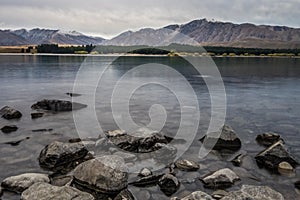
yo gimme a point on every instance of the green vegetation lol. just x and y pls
(150, 51)
(54, 48)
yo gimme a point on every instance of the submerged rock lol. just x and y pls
(147, 180)
(59, 156)
(57, 105)
(22, 182)
(187, 165)
(145, 172)
(106, 174)
(168, 184)
(71, 94)
(37, 115)
(285, 168)
(267, 139)
(271, 157)
(220, 179)
(10, 113)
(219, 194)
(16, 142)
(124, 195)
(45, 191)
(227, 140)
(254, 193)
(9, 129)
(297, 184)
(237, 161)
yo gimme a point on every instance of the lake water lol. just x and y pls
(263, 94)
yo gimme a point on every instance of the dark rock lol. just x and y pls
(71, 94)
(237, 161)
(145, 172)
(227, 139)
(254, 193)
(10, 113)
(57, 105)
(271, 157)
(37, 115)
(22, 182)
(61, 156)
(141, 141)
(297, 184)
(220, 179)
(168, 184)
(187, 165)
(147, 180)
(124, 195)
(267, 139)
(43, 130)
(45, 191)
(75, 140)
(17, 142)
(1, 191)
(9, 129)
(106, 174)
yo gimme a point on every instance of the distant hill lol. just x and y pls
(45, 36)
(197, 32)
(208, 33)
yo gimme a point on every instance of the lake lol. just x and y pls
(263, 95)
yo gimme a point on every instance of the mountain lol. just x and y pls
(204, 32)
(197, 32)
(46, 36)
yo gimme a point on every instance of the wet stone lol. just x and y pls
(57, 105)
(267, 139)
(187, 165)
(124, 195)
(10, 113)
(145, 172)
(220, 179)
(168, 184)
(9, 129)
(37, 115)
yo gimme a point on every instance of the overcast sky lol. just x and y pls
(108, 18)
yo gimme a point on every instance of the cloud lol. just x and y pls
(110, 17)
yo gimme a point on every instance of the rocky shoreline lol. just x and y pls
(100, 168)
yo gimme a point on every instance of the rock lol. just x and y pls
(126, 156)
(17, 142)
(42, 130)
(145, 172)
(124, 195)
(220, 179)
(37, 115)
(141, 141)
(9, 129)
(237, 161)
(187, 165)
(198, 195)
(58, 155)
(219, 194)
(22, 182)
(285, 167)
(271, 157)
(147, 180)
(106, 174)
(1, 191)
(10, 113)
(297, 184)
(61, 180)
(45, 191)
(57, 105)
(254, 193)
(71, 94)
(227, 140)
(267, 139)
(168, 184)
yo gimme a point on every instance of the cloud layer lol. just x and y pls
(110, 17)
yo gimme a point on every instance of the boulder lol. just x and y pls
(10, 113)
(106, 174)
(57, 105)
(254, 193)
(147, 180)
(187, 165)
(9, 128)
(271, 157)
(22, 182)
(37, 115)
(61, 180)
(227, 140)
(267, 139)
(61, 156)
(141, 141)
(197, 195)
(45, 191)
(168, 184)
(220, 179)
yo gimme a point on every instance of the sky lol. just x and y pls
(108, 18)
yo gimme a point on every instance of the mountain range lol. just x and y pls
(197, 32)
